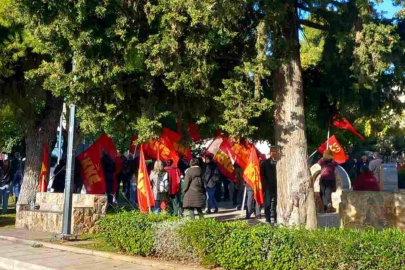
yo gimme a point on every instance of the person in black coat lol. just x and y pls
(58, 184)
(109, 169)
(211, 176)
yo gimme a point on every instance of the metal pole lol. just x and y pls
(243, 202)
(60, 138)
(327, 139)
(67, 206)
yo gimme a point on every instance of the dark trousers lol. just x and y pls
(199, 211)
(226, 190)
(176, 204)
(327, 187)
(270, 209)
(250, 204)
(235, 197)
(218, 191)
(110, 194)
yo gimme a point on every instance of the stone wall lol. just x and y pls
(86, 210)
(370, 209)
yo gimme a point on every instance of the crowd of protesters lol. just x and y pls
(195, 186)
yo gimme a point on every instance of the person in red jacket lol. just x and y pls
(174, 174)
(366, 181)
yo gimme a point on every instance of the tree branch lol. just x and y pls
(313, 25)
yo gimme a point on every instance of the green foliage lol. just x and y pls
(132, 232)
(235, 245)
(11, 132)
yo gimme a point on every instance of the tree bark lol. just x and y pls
(43, 132)
(292, 169)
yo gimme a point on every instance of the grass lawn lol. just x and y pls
(8, 220)
(94, 242)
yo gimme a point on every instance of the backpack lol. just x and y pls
(163, 184)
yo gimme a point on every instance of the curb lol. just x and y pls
(107, 255)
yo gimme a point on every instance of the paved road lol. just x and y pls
(21, 257)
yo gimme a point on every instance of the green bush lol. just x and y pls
(131, 232)
(235, 245)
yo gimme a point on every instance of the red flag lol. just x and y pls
(338, 151)
(161, 149)
(238, 152)
(252, 176)
(174, 138)
(221, 158)
(145, 193)
(43, 176)
(193, 132)
(105, 143)
(344, 124)
(91, 170)
(132, 147)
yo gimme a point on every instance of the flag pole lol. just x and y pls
(313, 153)
(327, 139)
(243, 202)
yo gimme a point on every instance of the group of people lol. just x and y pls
(192, 186)
(202, 179)
(11, 176)
(368, 176)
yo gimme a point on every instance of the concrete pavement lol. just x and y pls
(14, 256)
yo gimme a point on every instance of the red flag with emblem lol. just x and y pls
(338, 151)
(221, 158)
(161, 149)
(145, 193)
(175, 138)
(105, 143)
(43, 176)
(91, 170)
(238, 152)
(251, 175)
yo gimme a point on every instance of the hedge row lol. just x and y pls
(235, 245)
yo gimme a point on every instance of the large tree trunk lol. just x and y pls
(292, 169)
(43, 132)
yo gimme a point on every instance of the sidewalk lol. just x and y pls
(18, 252)
(19, 256)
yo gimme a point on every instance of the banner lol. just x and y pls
(239, 153)
(252, 176)
(338, 151)
(105, 143)
(145, 193)
(344, 124)
(175, 138)
(43, 176)
(193, 132)
(161, 149)
(91, 170)
(221, 158)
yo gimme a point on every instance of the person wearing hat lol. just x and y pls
(327, 181)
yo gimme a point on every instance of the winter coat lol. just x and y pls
(366, 182)
(327, 169)
(108, 167)
(194, 188)
(210, 170)
(269, 175)
(156, 179)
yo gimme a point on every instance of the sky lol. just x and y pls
(388, 9)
